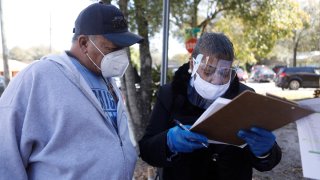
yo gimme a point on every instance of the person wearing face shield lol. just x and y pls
(63, 117)
(182, 154)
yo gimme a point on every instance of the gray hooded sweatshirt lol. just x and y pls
(53, 127)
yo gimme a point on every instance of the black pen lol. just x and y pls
(184, 128)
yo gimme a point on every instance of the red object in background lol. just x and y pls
(190, 44)
(283, 74)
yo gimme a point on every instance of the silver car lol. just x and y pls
(264, 74)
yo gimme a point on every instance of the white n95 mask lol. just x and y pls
(207, 90)
(114, 64)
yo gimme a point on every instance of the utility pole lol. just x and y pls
(4, 49)
(165, 24)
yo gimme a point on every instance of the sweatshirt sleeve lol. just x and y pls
(153, 145)
(13, 161)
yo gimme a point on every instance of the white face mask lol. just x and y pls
(113, 64)
(207, 90)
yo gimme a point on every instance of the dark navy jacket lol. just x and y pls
(218, 161)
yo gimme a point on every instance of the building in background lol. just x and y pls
(311, 58)
(14, 67)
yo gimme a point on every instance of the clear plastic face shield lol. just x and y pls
(213, 70)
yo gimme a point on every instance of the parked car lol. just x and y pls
(2, 84)
(242, 74)
(254, 69)
(296, 77)
(263, 74)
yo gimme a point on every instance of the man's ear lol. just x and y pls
(83, 43)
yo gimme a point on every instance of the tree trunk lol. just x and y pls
(139, 112)
(194, 16)
(128, 87)
(146, 65)
(4, 49)
(296, 39)
(294, 61)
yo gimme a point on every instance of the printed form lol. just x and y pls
(309, 139)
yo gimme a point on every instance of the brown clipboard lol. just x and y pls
(246, 110)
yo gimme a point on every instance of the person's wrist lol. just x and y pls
(170, 152)
(263, 156)
(170, 143)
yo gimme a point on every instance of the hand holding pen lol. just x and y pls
(185, 128)
(181, 139)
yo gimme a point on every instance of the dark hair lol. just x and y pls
(214, 44)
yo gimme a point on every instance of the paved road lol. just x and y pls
(271, 88)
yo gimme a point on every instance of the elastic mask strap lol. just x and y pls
(93, 61)
(96, 46)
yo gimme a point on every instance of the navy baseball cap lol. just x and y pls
(106, 20)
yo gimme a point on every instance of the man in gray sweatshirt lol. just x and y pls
(63, 117)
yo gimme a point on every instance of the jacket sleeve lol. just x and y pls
(269, 162)
(153, 145)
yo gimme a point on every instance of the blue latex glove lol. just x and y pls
(259, 140)
(179, 140)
